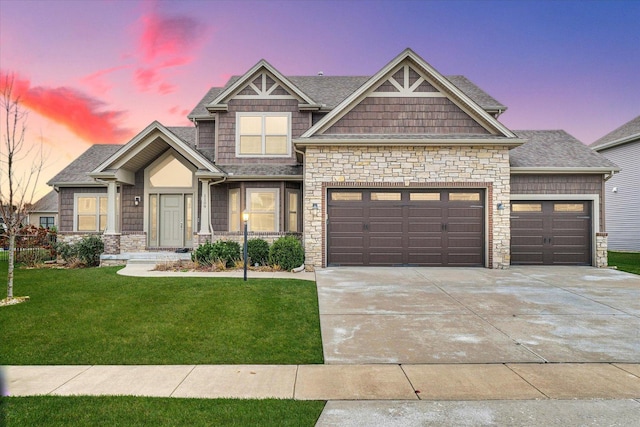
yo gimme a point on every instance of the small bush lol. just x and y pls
(258, 251)
(286, 252)
(202, 255)
(224, 252)
(227, 251)
(89, 250)
(66, 251)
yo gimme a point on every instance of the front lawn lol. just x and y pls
(94, 316)
(625, 261)
(57, 411)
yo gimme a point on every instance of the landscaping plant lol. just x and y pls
(258, 251)
(286, 252)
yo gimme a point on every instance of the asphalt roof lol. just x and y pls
(47, 203)
(78, 171)
(628, 131)
(331, 90)
(555, 149)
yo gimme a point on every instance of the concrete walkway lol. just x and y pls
(335, 382)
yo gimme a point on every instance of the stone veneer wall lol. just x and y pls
(133, 242)
(602, 258)
(408, 166)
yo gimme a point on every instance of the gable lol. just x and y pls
(261, 82)
(409, 97)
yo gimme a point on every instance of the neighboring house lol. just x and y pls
(44, 212)
(622, 146)
(405, 167)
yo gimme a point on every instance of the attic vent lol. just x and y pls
(320, 73)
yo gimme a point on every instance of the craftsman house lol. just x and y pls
(405, 167)
(622, 146)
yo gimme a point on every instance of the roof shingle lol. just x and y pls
(627, 130)
(555, 149)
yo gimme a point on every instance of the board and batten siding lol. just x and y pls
(623, 206)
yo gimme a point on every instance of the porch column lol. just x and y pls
(205, 208)
(111, 208)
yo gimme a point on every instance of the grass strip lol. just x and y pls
(59, 411)
(625, 261)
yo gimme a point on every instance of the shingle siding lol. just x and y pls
(132, 216)
(300, 122)
(559, 184)
(406, 115)
(623, 207)
(206, 135)
(67, 203)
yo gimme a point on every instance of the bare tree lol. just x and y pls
(17, 182)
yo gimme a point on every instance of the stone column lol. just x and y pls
(602, 257)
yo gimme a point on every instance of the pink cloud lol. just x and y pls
(78, 112)
(96, 81)
(165, 43)
(179, 111)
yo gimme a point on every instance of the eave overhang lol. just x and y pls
(515, 170)
(621, 141)
(373, 141)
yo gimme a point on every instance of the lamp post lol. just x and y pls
(245, 218)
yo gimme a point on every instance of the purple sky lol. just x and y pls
(100, 71)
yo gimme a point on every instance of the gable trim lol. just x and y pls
(456, 96)
(140, 141)
(220, 102)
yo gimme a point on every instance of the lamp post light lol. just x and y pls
(245, 218)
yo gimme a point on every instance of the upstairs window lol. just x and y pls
(263, 134)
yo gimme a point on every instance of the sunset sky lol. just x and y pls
(100, 71)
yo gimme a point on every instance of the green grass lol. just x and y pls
(94, 316)
(54, 411)
(625, 261)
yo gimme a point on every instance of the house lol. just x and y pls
(405, 167)
(44, 212)
(622, 146)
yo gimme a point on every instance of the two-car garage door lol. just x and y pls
(434, 227)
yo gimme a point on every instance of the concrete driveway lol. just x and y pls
(475, 315)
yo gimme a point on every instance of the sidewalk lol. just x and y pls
(335, 382)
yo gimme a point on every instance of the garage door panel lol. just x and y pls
(406, 227)
(554, 233)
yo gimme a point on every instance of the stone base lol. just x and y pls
(602, 258)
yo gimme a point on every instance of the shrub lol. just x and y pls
(66, 251)
(286, 252)
(226, 251)
(202, 254)
(258, 251)
(86, 251)
(89, 250)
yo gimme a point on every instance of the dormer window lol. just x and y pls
(263, 134)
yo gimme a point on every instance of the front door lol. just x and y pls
(171, 220)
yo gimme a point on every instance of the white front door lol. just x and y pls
(171, 220)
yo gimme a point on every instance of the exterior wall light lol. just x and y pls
(500, 206)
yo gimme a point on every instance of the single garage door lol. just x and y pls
(384, 227)
(551, 232)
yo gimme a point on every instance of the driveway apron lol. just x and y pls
(474, 315)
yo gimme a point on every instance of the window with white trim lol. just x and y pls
(293, 197)
(263, 134)
(234, 209)
(90, 212)
(262, 207)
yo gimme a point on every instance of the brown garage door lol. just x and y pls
(381, 227)
(551, 232)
